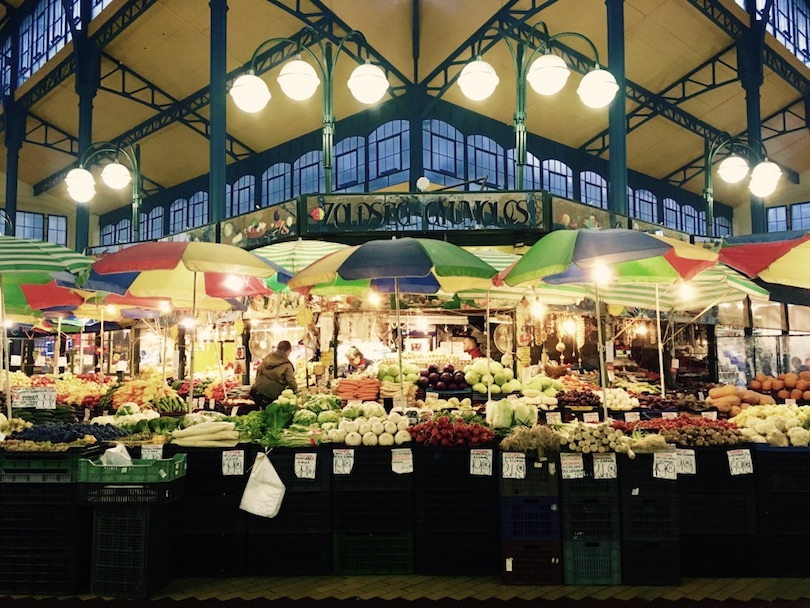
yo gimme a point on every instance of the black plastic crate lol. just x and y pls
(373, 512)
(37, 528)
(209, 555)
(209, 514)
(591, 519)
(651, 562)
(592, 563)
(782, 470)
(726, 556)
(304, 512)
(129, 494)
(372, 471)
(18, 495)
(542, 479)
(40, 467)
(718, 513)
(784, 555)
(204, 469)
(131, 547)
(650, 518)
(588, 486)
(45, 572)
(636, 478)
(305, 554)
(467, 552)
(360, 554)
(530, 519)
(448, 470)
(283, 460)
(435, 509)
(531, 563)
(713, 474)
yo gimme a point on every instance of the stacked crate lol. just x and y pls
(783, 497)
(209, 534)
(591, 525)
(44, 531)
(650, 524)
(718, 518)
(297, 540)
(372, 513)
(456, 511)
(530, 520)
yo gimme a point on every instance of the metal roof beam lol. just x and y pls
(42, 133)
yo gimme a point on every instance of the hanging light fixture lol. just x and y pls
(478, 80)
(764, 178)
(298, 79)
(598, 88)
(368, 83)
(548, 74)
(250, 93)
(116, 175)
(733, 169)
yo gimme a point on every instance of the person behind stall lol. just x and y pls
(275, 374)
(357, 361)
(471, 347)
(796, 363)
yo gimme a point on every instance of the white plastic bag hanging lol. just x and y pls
(264, 491)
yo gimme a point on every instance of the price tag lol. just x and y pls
(513, 465)
(211, 403)
(701, 396)
(513, 396)
(591, 417)
(604, 466)
(342, 461)
(572, 467)
(400, 402)
(40, 398)
(675, 364)
(429, 396)
(790, 402)
(86, 414)
(152, 452)
(481, 462)
(631, 417)
(234, 410)
(233, 462)
(739, 462)
(665, 465)
(2, 436)
(402, 460)
(304, 465)
(509, 564)
(711, 415)
(686, 464)
(669, 414)
(553, 418)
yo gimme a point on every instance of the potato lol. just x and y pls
(783, 394)
(767, 385)
(795, 394)
(806, 395)
(750, 397)
(805, 375)
(760, 377)
(778, 385)
(802, 385)
(755, 385)
(791, 380)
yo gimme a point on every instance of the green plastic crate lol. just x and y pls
(140, 471)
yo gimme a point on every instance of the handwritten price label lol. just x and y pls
(740, 463)
(604, 466)
(431, 396)
(402, 460)
(669, 414)
(304, 465)
(553, 418)
(572, 467)
(513, 465)
(152, 452)
(631, 417)
(686, 464)
(342, 461)
(711, 415)
(481, 462)
(233, 462)
(591, 417)
(665, 465)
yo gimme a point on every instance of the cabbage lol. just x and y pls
(467, 369)
(388, 379)
(501, 379)
(412, 377)
(525, 414)
(352, 411)
(550, 392)
(393, 370)
(480, 388)
(480, 367)
(372, 408)
(305, 417)
(487, 379)
(410, 369)
(508, 373)
(495, 367)
(382, 370)
(329, 416)
(471, 377)
(507, 360)
(495, 389)
(499, 414)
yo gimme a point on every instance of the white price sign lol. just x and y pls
(740, 463)
(686, 464)
(342, 461)
(604, 466)
(481, 462)
(233, 462)
(553, 418)
(669, 414)
(631, 417)
(711, 415)
(304, 465)
(513, 465)
(431, 396)
(402, 460)
(665, 465)
(40, 398)
(152, 452)
(591, 417)
(572, 467)
(400, 402)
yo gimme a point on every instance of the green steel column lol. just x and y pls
(415, 102)
(217, 138)
(617, 121)
(328, 117)
(708, 189)
(136, 193)
(520, 116)
(14, 123)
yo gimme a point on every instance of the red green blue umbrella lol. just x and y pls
(781, 262)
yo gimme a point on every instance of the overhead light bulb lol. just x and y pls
(602, 274)
(548, 74)
(374, 298)
(597, 88)
(733, 169)
(478, 80)
(116, 175)
(368, 83)
(298, 79)
(187, 322)
(764, 179)
(641, 329)
(686, 292)
(234, 283)
(112, 309)
(570, 327)
(84, 195)
(81, 185)
(250, 93)
(164, 307)
(537, 309)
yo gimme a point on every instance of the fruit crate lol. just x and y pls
(16, 496)
(718, 513)
(284, 462)
(45, 572)
(776, 509)
(371, 471)
(651, 562)
(131, 550)
(782, 471)
(290, 554)
(215, 514)
(43, 467)
(531, 563)
(448, 470)
(463, 553)
(374, 512)
(38, 528)
(591, 519)
(211, 555)
(720, 556)
(713, 475)
(204, 474)
(645, 518)
(542, 479)
(636, 478)
(435, 509)
(592, 563)
(588, 486)
(784, 555)
(300, 513)
(361, 554)
(530, 519)
(164, 470)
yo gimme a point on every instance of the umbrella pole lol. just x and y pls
(193, 342)
(660, 343)
(489, 350)
(399, 342)
(164, 333)
(81, 350)
(601, 349)
(57, 343)
(101, 336)
(6, 357)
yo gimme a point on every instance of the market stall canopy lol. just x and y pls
(782, 262)
(294, 256)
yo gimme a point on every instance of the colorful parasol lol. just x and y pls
(781, 262)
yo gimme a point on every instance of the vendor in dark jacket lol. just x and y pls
(275, 374)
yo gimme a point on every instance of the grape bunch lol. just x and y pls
(656, 402)
(66, 433)
(578, 399)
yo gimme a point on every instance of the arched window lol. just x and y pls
(722, 226)
(308, 175)
(243, 193)
(443, 152)
(389, 157)
(485, 159)
(689, 219)
(276, 184)
(532, 172)
(593, 189)
(672, 214)
(107, 236)
(178, 216)
(701, 226)
(350, 165)
(153, 228)
(123, 231)
(558, 178)
(645, 206)
(43, 32)
(143, 226)
(198, 209)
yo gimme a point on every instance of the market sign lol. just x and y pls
(424, 212)
(261, 227)
(35, 397)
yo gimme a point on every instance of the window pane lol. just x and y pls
(443, 153)
(178, 216)
(593, 189)
(389, 154)
(558, 178)
(30, 225)
(646, 206)
(276, 184)
(57, 229)
(672, 214)
(198, 209)
(800, 216)
(485, 159)
(308, 175)
(689, 219)
(350, 165)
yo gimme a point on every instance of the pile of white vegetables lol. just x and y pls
(776, 425)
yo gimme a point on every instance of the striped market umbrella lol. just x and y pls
(294, 256)
(781, 262)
